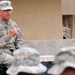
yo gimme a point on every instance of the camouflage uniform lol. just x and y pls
(26, 60)
(63, 59)
(6, 43)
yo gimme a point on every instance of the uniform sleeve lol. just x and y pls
(19, 42)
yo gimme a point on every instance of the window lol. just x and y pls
(67, 21)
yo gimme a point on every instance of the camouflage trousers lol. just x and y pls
(6, 57)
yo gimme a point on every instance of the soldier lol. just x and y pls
(64, 63)
(10, 35)
(26, 62)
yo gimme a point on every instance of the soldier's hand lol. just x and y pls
(12, 32)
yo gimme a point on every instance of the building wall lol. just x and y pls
(50, 47)
(74, 27)
(38, 19)
(68, 7)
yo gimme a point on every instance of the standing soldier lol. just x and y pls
(10, 35)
